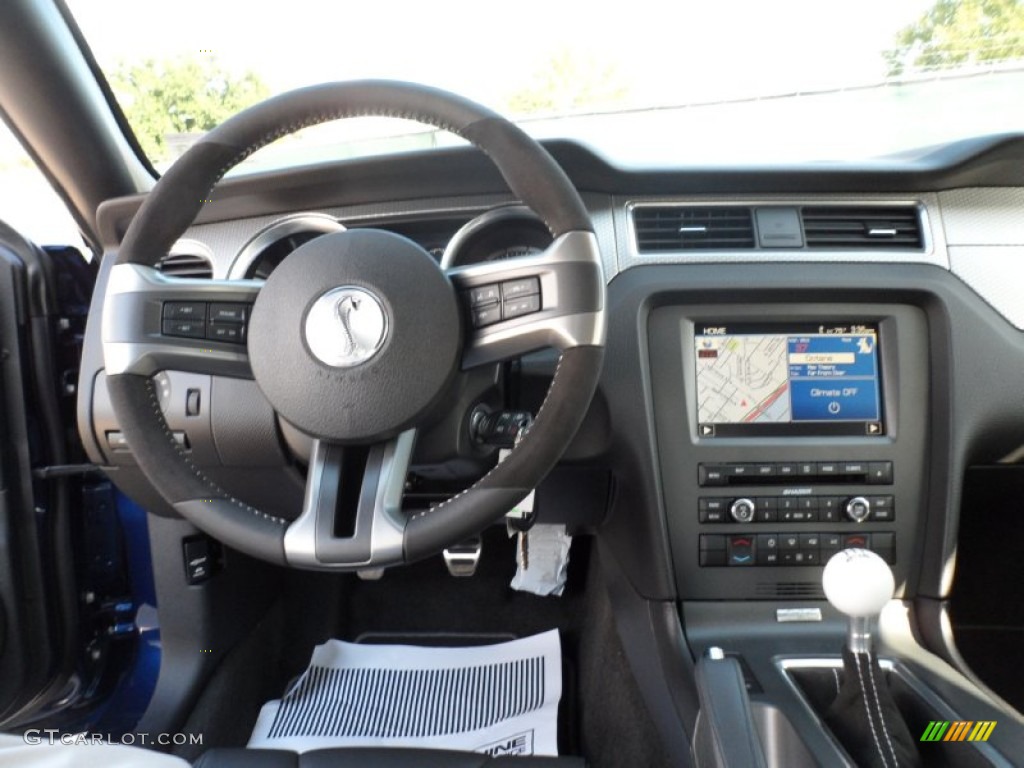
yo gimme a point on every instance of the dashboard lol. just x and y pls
(798, 360)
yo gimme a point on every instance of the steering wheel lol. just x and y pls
(355, 338)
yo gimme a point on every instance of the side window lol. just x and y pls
(27, 201)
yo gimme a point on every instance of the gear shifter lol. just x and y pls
(864, 716)
(858, 583)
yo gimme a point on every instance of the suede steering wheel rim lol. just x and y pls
(568, 314)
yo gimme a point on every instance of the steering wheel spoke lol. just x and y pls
(344, 528)
(152, 322)
(517, 306)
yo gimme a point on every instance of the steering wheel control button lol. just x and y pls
(184, 310)
(858, 509)
(228, 313)
(742, 510)
(346, 326)
(232, 333)
(486, 315)
(526, 305)
(188, 329)
(514, 289)
(485, 294)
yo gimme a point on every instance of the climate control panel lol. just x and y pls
(770, 549)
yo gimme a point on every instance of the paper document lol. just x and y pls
(500, 699)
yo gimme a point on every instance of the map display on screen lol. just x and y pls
(798, 375)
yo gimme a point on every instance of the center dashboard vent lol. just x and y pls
(862, 227)
(186, 265)
(681, 228)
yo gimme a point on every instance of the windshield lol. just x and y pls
(644, 82)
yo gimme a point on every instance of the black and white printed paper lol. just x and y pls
(501, 699)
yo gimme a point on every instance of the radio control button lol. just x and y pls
(882, 509)
(858, 509)
(880, 473)
(712, 516)
(766, 509)
(787, 470)
(743, 510)
(766, 515)
(712, 474)
(799, 516)
(712, 503)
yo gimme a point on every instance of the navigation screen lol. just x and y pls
(796, 379)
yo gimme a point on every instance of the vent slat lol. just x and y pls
(676, 228)
(862, 227)
(789, 589)
(186, 265)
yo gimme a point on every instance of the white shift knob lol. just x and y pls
(858, 583)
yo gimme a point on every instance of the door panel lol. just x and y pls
(44, 299)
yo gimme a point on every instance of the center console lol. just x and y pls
(787, 432)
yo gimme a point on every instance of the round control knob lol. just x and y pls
(857, 582)
(858, 509)
(742, 510)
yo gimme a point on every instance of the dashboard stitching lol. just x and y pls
(201, 477)
(454, 498)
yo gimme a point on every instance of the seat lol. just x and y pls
(374, 758)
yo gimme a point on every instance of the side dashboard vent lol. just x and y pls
(186, 265)
(676, 228)
(862, 227)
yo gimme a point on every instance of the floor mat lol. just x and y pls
(499, 699)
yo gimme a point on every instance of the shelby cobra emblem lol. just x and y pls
(346, 326)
